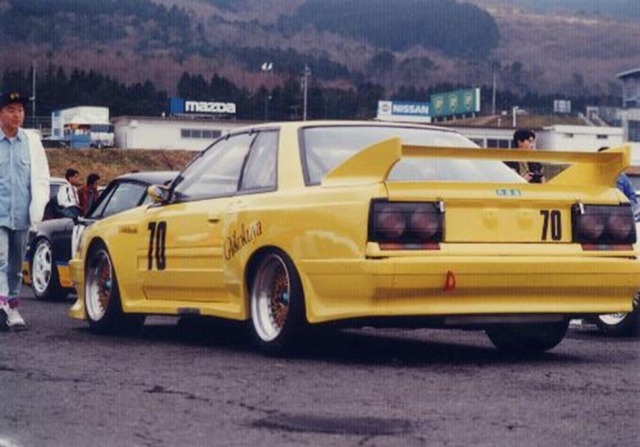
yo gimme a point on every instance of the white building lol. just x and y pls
(559, 137)
(138, 132)
(579, 138)
(630, 88)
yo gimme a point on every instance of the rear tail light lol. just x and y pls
(603, 224)
(406, 225)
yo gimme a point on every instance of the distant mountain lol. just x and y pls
(346, 43)
(617, 9)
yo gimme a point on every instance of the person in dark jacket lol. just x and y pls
(88, 194)
(524, 139)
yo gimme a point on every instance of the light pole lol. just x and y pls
(33, 96)
(305, 88)
(266, 68)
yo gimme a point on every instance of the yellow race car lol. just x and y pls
(293, 226)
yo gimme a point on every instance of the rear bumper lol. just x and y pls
(458, 286)
(496, 287)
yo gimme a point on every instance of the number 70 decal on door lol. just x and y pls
(157, 240)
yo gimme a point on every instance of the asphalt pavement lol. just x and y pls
(199, 383)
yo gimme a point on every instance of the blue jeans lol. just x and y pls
(12, 248)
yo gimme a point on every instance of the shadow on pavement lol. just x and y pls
(391, 347)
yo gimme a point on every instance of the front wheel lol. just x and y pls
(102, 297)
(277, 305)
(45, 281)
(529, 338)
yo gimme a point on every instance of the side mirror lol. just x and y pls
(158, 193)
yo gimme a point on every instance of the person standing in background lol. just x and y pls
(524, 139)
(67, 198)
(88, 194)
(24, 192)
(624, 184)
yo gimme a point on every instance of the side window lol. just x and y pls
(261, 168)
(125, 197)
(103, 199)
(217, 172)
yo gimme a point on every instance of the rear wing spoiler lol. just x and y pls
(373, 164)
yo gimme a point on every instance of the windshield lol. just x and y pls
(324, 148)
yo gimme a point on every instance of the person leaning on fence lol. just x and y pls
(68, 201)
(624, 184)
(24, 192)
(524, 139)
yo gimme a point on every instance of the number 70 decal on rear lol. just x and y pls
(551, 225)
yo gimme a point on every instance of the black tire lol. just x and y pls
(527, 338)
(621, 324)
(278, 319)
(102, 297)
(45, 281)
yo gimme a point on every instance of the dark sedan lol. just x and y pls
(46, 263)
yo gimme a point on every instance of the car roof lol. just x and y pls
(344, 123)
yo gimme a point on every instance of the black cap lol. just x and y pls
(12, 97)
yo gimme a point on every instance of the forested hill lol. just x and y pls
(453, 28)
(65, 22)
(395, 45)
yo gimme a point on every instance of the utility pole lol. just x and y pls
(493, 98)
(305, 88)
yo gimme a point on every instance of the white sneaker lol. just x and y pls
(15, 320)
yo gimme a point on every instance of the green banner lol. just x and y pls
(459, 102)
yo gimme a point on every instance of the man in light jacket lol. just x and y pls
(24, 192)
(67, 198)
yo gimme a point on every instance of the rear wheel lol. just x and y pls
(278, 319)
(102, 297)
(45, 280)
(623, 323)
(527, 338)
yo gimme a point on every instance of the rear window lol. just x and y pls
(324, 148)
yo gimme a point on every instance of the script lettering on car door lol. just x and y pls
(157, 241)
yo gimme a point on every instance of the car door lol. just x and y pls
(180, 250)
